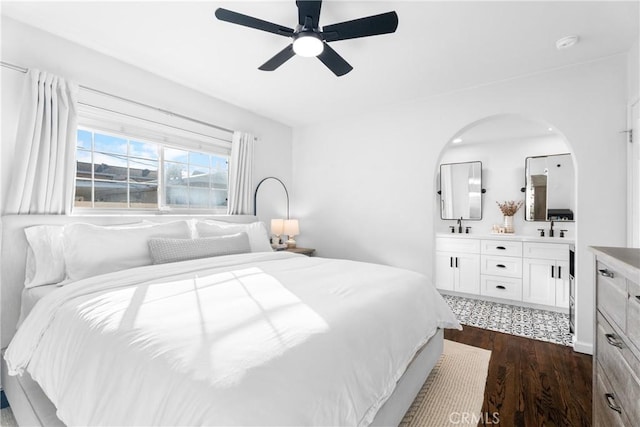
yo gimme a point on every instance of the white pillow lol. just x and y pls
(258, 236)
(45, 263)
(165, 249)
(90, 250)
(45, 256)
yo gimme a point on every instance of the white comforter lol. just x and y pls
(251, 339)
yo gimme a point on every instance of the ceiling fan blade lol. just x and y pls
(251, 22)
(334, 62)
(310, 8)
(280, 58)
(364, 27)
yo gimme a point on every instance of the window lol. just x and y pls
(121, 172)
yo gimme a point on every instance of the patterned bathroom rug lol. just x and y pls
(526, 322)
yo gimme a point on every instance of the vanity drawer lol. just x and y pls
(633, 314)
(621, 368)
(556, 251)
(612, 294)
(501, 266)
(501, 247)
(606, 408)
(501, 287)
(451, 244)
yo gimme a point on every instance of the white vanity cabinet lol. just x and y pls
(546, 274)
(514, 269)
(501, 269)
(458, 265)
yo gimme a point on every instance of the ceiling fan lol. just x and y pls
(311, 40)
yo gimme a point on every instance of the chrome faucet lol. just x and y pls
(551, 230)
(460, 225)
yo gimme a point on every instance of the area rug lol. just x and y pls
(542, 325)
(7, 419)
(453, 393)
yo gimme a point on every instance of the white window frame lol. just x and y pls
(123, 125)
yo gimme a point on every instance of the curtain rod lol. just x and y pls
(24, 70)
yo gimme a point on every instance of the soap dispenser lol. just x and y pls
(541, 230)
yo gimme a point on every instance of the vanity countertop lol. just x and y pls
(507, 236)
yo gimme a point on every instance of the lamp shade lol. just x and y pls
(277, 226)
(291, 227)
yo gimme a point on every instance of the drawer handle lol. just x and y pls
(638, 298)
(502, 248)
(611, 402)
(501, 266)
(613, 340)
(606, 273)
(500, 287)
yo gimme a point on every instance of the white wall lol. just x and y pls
(364, 185)
(633, 70)
(29, 47)
(633, 150)
(503, 164)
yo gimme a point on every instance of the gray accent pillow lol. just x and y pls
(165, 250)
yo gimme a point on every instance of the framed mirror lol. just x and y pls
(549, 188)
(461, 190)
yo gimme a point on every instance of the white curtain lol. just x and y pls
(43, 168)
(241, 174)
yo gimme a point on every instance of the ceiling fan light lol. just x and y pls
(308, 45)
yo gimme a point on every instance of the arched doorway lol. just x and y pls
(505, 146)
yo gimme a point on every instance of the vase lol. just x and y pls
(508, 223)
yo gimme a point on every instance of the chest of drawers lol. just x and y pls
(616, 367)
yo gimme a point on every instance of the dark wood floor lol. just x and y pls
(532, 383)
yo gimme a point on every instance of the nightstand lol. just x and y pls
(303, 251)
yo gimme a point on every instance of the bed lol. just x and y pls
(246, 337)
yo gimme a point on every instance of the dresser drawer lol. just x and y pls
(621, 368)
(556, 251)
(451, 244)
(501, 266)
(501, 247)
(612, 294)
(606, 408)
(633, 314)
(501, 287)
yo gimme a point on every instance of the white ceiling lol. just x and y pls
(439, 47)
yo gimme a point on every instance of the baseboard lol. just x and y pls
(582, 347)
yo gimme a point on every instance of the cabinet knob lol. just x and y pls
(501, 266)
(613, 340)
(611, 402)
(500, 287)
(606, 273)
(502, 248)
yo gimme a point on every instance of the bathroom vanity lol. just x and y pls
(521, 270)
